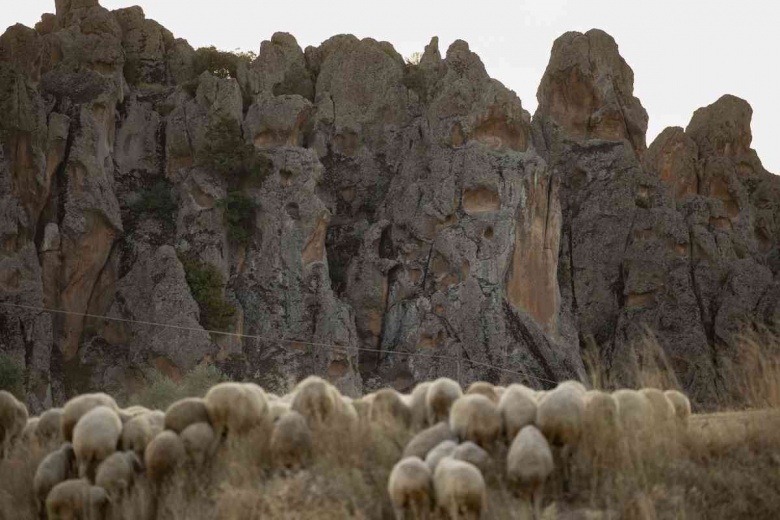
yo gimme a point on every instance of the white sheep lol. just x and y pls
(439, 398)
(76, 498)
(117, 473)
(473, 454)
(409, 487)
(426, 440)
(291, 442)
(529, 463)
(518, 409)
(28, 433)
(574, 385)
(559, 415)
(460, 489)
(79, 406)
(388, 407)
(634, 410)
(600, 421)
(319, 402)
(483, 388)
(277, 409)
(681, 403)
(237, 408)
(13, 419)
(139, 431)
(95, 438)
(49, 429)
(663, 409)
(198, 440)
(184, 412)
(163, 456)
(438, 453)
(475, 418)
(58, 466)
(416, 401)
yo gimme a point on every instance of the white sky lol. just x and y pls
(685, 53)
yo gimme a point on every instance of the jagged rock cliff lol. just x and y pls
(376, 206)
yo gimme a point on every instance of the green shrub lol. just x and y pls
(238, 210)
(222, 64)
(161, 391)
(157, 200)
(11, 376)
(226, 152)
(414, 79)
(207, 287)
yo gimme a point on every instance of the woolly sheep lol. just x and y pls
(138, 432)
(499, 390)
(682, 406)
(389, 407)
(441, 394)
(78, 407)
(475, 418)
(600, 420)
(559, 415)
(13, 419)
(163, 455)
(184, 412)
(473, 454)
(76, 498)
(574, 385)
(634, 410)
(28, 433)
(438, 453)
(416, 401)
(460, 489)
(58, 466)
(117, 473)
(409, 487)
(236, 408)
(95, 437)
(277, 409)
(518, 409)
(198, 440)
(529, 463)
(426, 440)
(483, 388)
(291, 442)
(126, 414)
(318, 401)
(49, 428)
(663, 409)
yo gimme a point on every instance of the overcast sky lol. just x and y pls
(685, 54)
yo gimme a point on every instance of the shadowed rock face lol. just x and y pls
(414, 209)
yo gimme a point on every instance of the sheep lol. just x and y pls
(460, 489)
(95, 437)
(441, 394)
(499, 390)
(49, 430)
(475, 418)
(198, 440)
(518, 409)
(277, 409)
(236, 408)
(473, 454)
(76, 498)
(600, 420)
(559, 415)
(291, 442)
(529, 463)
(388, 407)
(426, 440)
(318, 401)
(444, 449)
(575, 385)
(28, 433)
(13, 419)
(79, 406)
(483, 388)
(663, 409)
(634, 410)
(58, 466)
(416, 401)
(117, 473)
(409, 487)
(184, 412)
(163, 455)
(138, 432)
(682, 406)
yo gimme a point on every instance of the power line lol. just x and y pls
(274, 340)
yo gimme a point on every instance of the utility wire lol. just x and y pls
(271, 340)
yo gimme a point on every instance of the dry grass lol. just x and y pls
(720, 466)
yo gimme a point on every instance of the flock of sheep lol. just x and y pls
(458, 441)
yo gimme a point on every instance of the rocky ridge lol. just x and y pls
(411, 208)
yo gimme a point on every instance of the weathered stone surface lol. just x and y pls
(674, 158)
(588, 89)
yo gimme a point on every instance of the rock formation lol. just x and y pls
(362, 218)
